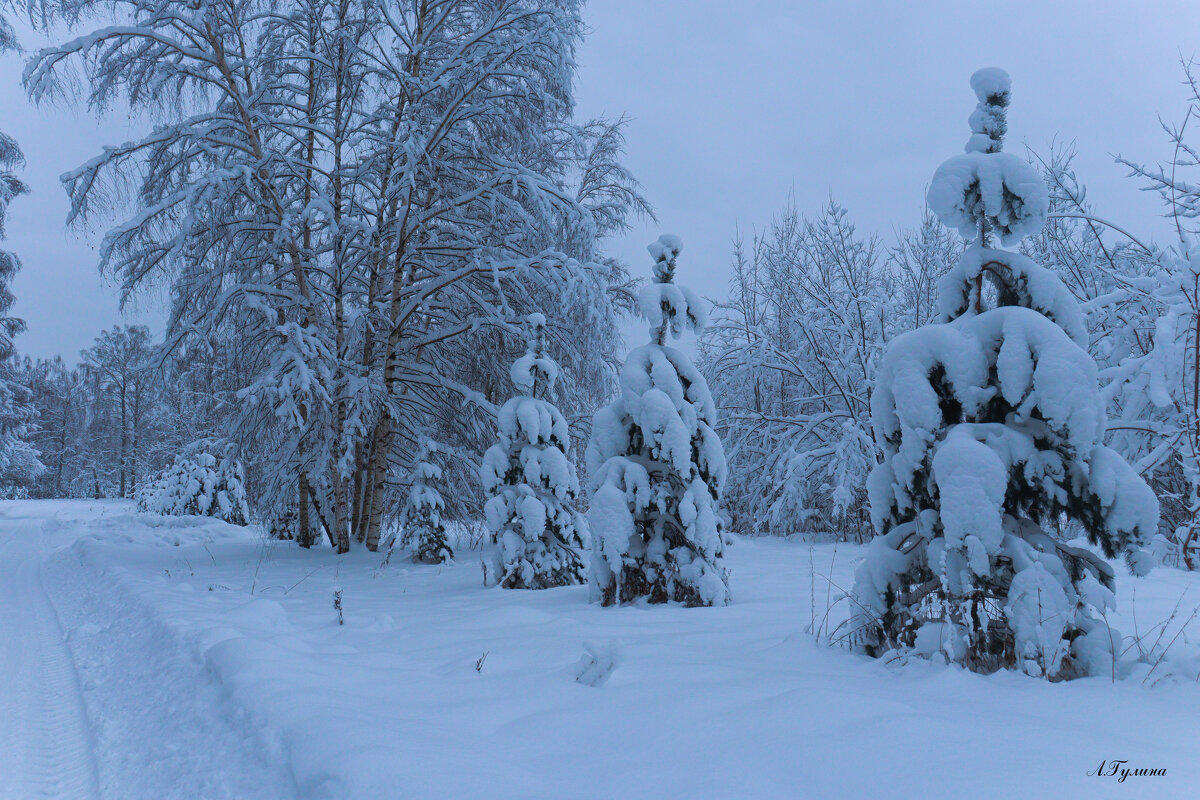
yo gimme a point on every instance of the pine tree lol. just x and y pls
(530, 481)
(421, 520)
(657, 464)
(991, 424)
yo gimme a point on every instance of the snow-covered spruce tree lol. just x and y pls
(657, 465)
(202, 484)
(421, 521)
(530, 482)
(991, 426)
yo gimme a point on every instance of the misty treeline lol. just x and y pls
(354, 205)
(108, 425)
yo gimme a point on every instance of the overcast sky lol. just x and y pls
(733, 106)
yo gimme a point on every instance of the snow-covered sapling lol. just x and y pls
(991, 425)
(531, 483)
(657, 465)
(421, 521)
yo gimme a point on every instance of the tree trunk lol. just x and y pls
(378, 477)
(124, 441)
(304, 535)
(137, 413)
(340, 517)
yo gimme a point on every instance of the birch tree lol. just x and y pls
(361, 200)
(19, 462)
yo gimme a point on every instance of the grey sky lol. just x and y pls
(733, 105)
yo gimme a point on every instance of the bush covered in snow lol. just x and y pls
(657, 465)
(531, 483)
(992, 425)
(202, 484)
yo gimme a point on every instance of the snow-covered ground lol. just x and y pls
(200, 662)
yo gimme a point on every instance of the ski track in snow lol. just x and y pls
(45, 741)
(98, 700)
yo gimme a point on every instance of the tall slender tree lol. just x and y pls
(531, 482)
(657, 465)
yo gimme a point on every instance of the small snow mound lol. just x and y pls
(156, 531)
(260, 614)
(597, 663)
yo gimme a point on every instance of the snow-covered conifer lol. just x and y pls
(530, 482)
(657, 465)
(421, 520)
(202, 484)
(992, 425)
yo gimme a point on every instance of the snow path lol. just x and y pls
(45, 742)
(213, 667)
(98, 699)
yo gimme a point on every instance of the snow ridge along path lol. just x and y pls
(46, 747)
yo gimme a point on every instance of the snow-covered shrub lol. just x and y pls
(789, 359)
(657, 465)
(202, 484)
(992, 424)
(1156, 314)
(421, 520)
(531, 483)
(282, 524)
